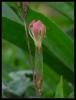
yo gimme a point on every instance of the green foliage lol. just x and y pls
(64, 9)
(59, 90)
(58, 54)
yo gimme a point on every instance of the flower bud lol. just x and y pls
(38, 30)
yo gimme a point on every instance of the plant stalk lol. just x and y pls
(38, 70)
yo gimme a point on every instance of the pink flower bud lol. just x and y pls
(38, 28)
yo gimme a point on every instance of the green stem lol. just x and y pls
(22, 10)
(28, 44)
(38, 70)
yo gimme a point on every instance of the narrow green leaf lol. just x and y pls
(11, 15)
(59, 89)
